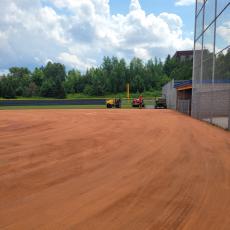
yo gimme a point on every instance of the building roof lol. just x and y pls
(183, 53)
(183, 84)
(187, 84)
(178, 83)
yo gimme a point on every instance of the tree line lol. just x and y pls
(111, 76)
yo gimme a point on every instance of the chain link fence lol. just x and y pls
(170, 94)
(211, 64)
(184, 106)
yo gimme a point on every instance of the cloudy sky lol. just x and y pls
(78, 33)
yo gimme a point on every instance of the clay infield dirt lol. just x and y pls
(112, 169)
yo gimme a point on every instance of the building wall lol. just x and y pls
(211, 62)
(169, 92)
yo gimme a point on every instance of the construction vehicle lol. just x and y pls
(113, 103)
(136, 103)
(161, 103)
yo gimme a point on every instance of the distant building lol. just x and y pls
(184, 55)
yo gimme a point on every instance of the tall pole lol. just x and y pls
(127, 90)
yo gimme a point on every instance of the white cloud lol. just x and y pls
(72, 61)
(4, 72)
(79, 33)
(134, 5)
(224, 32)
(184, 2)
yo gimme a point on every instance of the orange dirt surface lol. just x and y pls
(112, 169)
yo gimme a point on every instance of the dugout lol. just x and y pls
(178, 95)
(184, 96)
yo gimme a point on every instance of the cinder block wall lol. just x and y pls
(211, 104)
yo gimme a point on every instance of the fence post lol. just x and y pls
(229, 112)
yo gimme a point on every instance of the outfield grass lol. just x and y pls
(60, 107)
(126, 104)
(53, 107)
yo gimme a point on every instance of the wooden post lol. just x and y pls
(127, 90)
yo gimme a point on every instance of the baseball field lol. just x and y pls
(112, 169)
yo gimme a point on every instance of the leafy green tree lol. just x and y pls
(107, 68)
(74, 82)
(55, 72)
(47, 89)
(111, 77)
(222, 69)
(0, 86)
(59, 90)
(136, 69)
(7, 88)
(139, 84)
(20, 91)
(38, 76)
(183, 71)
(18, 72)
(31, 90)
(169, 65)
(88, 90)
(54, 75)
(98, 86)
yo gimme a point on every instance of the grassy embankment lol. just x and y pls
(148, 96)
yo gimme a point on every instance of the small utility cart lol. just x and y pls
(161, 103)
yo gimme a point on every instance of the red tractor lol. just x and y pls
(136, 103)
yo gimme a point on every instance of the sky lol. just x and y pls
(79, 33)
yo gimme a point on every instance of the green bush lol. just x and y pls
(88, 90)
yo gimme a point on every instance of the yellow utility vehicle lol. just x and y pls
(113, 103)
